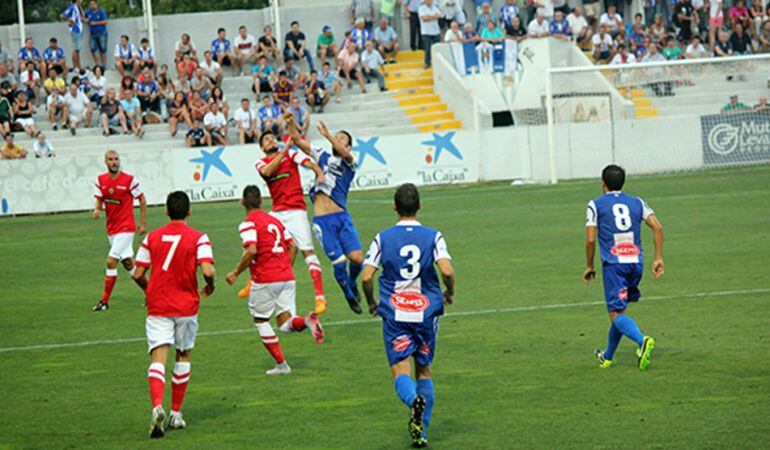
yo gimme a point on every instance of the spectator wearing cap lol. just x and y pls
(363, 9)
(6, 110)
(146, 57)
(270, 116)
(386, 39)
(246, 49)
(31, 82)
(359, 34)
(74, 17)
(11, 150)
(212, 69)
(215, 124)
(263, 77)
(28, 53)
(371, 64)
(331, 82)
(301, 115)
(43, 147)
(296, 42)
(197, 136)
(327, 44)
(126, 58)
(222, 51)
(5, 58)
(53, 59)
(268, 46)
(429, 28)
(96, 19)
(283, 89)
(246, 120)
(55, 105)
(734, 106)
(347, 62)
(316, 93)
(23, 112)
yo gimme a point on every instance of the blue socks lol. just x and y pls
(627, 326)
(341, 275)
(425, 388)
(612, 342)
(355, 270)
(405, 389)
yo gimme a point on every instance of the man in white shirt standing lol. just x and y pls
(216, 124)
(76, 108)
(246, 121)
(429, 27)
(245, 49)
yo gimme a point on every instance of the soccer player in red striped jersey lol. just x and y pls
(173, 253)
(115, 192)
(268, 250)
(280, 169)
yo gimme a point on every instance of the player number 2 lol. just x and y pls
(174, 240)
(412, 255)
(273, 229)
(622, 216)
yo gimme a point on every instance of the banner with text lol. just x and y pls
(732, 138)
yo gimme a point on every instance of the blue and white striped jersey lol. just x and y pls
(339, 175)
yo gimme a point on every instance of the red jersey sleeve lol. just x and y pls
(204, 252)
(261, 164)
(143, 254)
(97, 190)
(248, 231)
(135, 190)
(299, 158)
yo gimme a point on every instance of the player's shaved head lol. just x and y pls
(112, 160)
(252, 198)
(614, 177)
(407, 200)
(178, 205)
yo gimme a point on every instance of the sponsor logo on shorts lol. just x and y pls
(401, 343)
(425, 349)
(625, 249)
(623, 295)
(409, 301)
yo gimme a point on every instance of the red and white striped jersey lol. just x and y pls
(271, 263)
(174, 253)
(285, 184)
(118, 196)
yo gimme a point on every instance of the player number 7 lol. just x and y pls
(174, 240)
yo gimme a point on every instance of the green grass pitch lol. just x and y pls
(514, 365)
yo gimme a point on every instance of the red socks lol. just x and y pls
(109, 282)
(156, 377)
(314, 267)
(179, 385)
(270, 341)
(295, 324)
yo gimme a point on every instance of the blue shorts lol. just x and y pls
(405, 339)
(77, 41)
(98, 43)
(621, 284)
(336, 234)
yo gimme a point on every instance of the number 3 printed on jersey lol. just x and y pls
(412, 255)
(622, 216)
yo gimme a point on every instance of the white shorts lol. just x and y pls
(25, 121)
(177, 331)
(121, 246)
(77, 118)
(295, 221)
(267, 298)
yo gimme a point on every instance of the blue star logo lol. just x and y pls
(368, 148)
(212, 159)
(441, 143)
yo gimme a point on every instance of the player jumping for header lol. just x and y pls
(410, 303)
(279, 168)
(115, 192)
(618, 218)
(332, 224)
(174, 251)
(268, 251)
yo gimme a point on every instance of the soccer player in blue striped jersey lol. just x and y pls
(617, 218)
(411, 303)
(332, 223)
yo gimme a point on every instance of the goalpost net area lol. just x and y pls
(655, 117)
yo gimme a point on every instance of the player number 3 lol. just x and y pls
(412, 255)
(622, 216)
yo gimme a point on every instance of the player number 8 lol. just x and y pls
(622, 216)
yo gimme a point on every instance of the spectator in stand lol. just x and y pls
(246, 120)
(222, 51)
(31, 82)
(74, 17)
(186, 67)
(659, 88)
(54, 103)
(641, 50)
(623, 56)
(215, 124)
(146, 57)
(330, 81)
(301, 116)
(561, 5)
(452, 11)
(43, 147)
(198, 107)
(637, 32)
(6, 109)
(178, 113)
(218, 97)
(126, 84)
(593, 10)
(185, 46)
(491, 33)
(293, 74)
(716, 20)
(734, 106)
(516, 31)
(246, 49)
(683, 20)
(6, 76)
(579, 26)
(657, 30)
(603, 45)
(762, 105)
(5, 58)
(371, 64)
(201, 84)
(295, 42)
(411, 8)
(126, 59)
(54, 81)
(96, 19)
(111, 114)
(359, 34)
(763, 38)
(429, 28)
(612, 19)
(327, 44)
(132, 110)
(387, 40)
(453, 34)
(53, 59)
(29, 53)
(212, 69)
(469, 34)
(672, 51)
(347, 62)
(758, 13)
(696, 50)
(197, 136)
(739, 14)
(148, 92)
(11, 150)
(539, 28)
(740, 41)
(316, 93)
(268, 46)
(98, 84)
(77, 108)
(620, 38)
(270, 117)
(485, 17)
(508, 12)
(284, 90)
(263, 77)
(559, 27)
(363, 9)
(23, 110)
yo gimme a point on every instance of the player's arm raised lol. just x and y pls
(657, 238)
(294, 134)
(320, 178)
(269, 169)
(343, 150)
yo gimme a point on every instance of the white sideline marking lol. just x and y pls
(362, 321)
